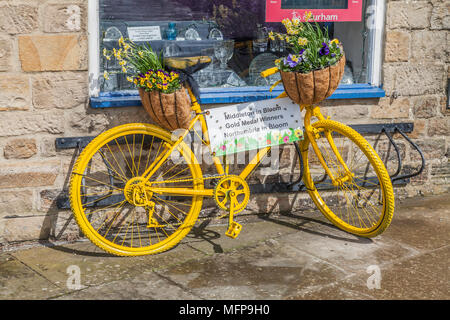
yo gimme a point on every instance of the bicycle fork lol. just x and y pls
(313, 135)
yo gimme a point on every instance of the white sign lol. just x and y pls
(149, 33)
(255, 125)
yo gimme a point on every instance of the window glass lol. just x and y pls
(201, 27)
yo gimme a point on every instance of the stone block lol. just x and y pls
(397, 46)
(53, 52)
(414, 15)
(59, 90)
(20, 149)
(431, 149)
(28, 174)
(429, 46)
(414, 79)
(81, 122)
(439, 126)
(63, 17)
(440, 16)
(5, 54)
(16, 124)
(14, 93)
(425, 106)
(398, 108)
(26, 228)
(14, 203)
(419, 129)
(15, 19)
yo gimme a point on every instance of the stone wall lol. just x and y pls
(44, 95)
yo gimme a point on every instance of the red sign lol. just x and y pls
(323, 11)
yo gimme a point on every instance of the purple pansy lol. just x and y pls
(291, 61)
(325, 50)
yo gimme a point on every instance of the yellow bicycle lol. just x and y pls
(137, 190)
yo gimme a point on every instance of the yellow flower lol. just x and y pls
(130, 79)
(302, 41)
(121, 41)
(105, 52)
(292, 31)
(296, 21)
(122, 62)
(124, 70)
(141, 54)
(280, 36)
(271, 35)
(335, 41)
(308, 16)
(106, 75)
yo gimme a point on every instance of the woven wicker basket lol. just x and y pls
(313, 87)
(170, 111)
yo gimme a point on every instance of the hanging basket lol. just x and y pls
(315, 86)
(171, 111)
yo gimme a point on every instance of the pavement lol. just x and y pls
(297, 256)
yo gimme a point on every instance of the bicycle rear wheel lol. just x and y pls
(362, 205)
(109, 204)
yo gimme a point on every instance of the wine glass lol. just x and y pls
(223, 50)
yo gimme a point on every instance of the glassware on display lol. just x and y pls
(171, 32)
(191, 34)
(171, 50)
(261, 39)
(260, 63)
(215, 34)
(223, 50)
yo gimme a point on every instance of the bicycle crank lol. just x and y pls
(232, 194)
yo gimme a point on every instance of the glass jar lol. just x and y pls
(171, 32)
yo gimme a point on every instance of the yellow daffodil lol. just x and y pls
(308, 16)
(271, 35)
(106, 75)
(302, 41)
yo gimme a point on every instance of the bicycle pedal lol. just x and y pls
(234, 230)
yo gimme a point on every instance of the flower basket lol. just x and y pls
(315, 86)
(169, 110)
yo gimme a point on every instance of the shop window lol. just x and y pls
(235, 35)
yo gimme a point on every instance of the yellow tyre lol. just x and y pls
(110, 204)
(363, 202)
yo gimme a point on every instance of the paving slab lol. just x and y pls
(422, 223)
(143, 286)
(96, 267)
(18, 281)
(268, 270)
(424, 277)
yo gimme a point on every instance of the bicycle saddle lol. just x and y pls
(188, 64)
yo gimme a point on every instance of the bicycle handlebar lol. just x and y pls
(269, 72)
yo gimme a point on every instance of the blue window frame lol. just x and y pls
(234, 95)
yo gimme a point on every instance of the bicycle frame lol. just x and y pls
(311, 132)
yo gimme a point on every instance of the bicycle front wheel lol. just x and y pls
(361, 203)
(109, 203)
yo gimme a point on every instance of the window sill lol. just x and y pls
(234, 95)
